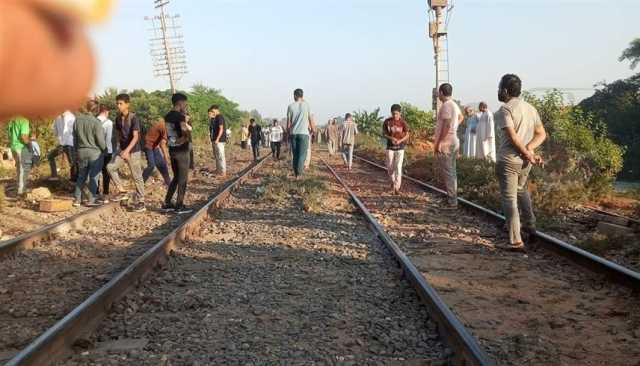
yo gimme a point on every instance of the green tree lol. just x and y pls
(632, 53)
(369, 122)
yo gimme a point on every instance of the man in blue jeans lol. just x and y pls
(156, 151)
(299, 124)
(90, 145)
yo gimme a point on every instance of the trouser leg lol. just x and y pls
(295, 145)
(350, 147)
(524, 199)
(398, 160)
(83, 174)
(180, 166)
(221, 161)
(106, 178)
(278, 149)
(116, 163)
(26, 160)
(161, 164)
(151, 164)
(449, 175)
(70, 152)
(307, 158)
(52, 160)
(508, 175)
(135, 165)
(95, 167)
(18, 163)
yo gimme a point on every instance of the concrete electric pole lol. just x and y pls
(439, 12)
(167, 46)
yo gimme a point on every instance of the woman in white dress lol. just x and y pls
(470, 135)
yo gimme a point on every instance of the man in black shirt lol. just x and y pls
(179, 135)
(218, 135)
(255, 133)
(127, 131)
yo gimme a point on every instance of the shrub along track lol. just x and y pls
(274, 279)
(537, 309)
(43, 284)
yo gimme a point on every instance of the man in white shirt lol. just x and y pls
(447, 145)
(63, 129)
(275, 133)
(107, 125)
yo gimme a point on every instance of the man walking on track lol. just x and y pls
(446, 144)
(128, 135)
(299, 124)
(332, 137)
(255, 135)
(179, 133)
(275, 132)
(348, 140)
(523, 132)
(63, 129)
(107, 126)
(155, 149)
(218, 135)
(396, 131)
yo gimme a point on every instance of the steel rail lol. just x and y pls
(613, 271)
(28, 240)
(56, 342)
(468, 351)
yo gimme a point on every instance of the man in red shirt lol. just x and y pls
(396, 131)
(156, 151)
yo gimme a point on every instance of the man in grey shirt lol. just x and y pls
(522, 133)
(299, 124)
(90, 145)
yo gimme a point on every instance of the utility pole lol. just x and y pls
(167, 46)
(439, 13)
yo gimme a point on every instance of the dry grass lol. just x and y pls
(3, 198)
(279, 188)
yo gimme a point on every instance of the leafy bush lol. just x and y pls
(369, 123)
(422, 123)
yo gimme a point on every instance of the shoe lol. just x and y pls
(520, 248)
(76, 203)
(138, 207)
(168, 207)
(120, 197)
(182, 210)
(95, 203)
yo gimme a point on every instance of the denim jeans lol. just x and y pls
(88, 168)
(155, 159)
(70, 153)
(300, 147)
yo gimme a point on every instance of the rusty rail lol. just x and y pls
(468, 351)
(54, 344)
(29, 240)
(613, 271)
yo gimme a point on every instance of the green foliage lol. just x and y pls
(632, 53)
(618, 105)
(577, 148)
(420, 122)
(149, 106)
(369, 122)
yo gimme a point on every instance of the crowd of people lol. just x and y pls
(97, 148)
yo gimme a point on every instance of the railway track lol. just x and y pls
(51, 288)
(270, 281)
(536, 309)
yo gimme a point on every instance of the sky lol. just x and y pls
(362, 54)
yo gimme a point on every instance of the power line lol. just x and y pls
(166, 45)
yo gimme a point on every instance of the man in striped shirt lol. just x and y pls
(275, 133)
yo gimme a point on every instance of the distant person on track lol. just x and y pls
(396, 130)
(276, 132)
(107, 126)
(63, 130)
(244, 137)
(300, 124)
(179, 133)
(348, 139)
(446, 144)
(127, 129)
(523, 132)
(90, 145)
(471, 133)
(255, 135)
(218, 136)
(332, 137)
(485, 134)
(157, 152)
(20, 145)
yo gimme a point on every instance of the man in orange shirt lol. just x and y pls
(156, 151)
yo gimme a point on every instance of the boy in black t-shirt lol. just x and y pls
(179, 135)
(218, 135)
